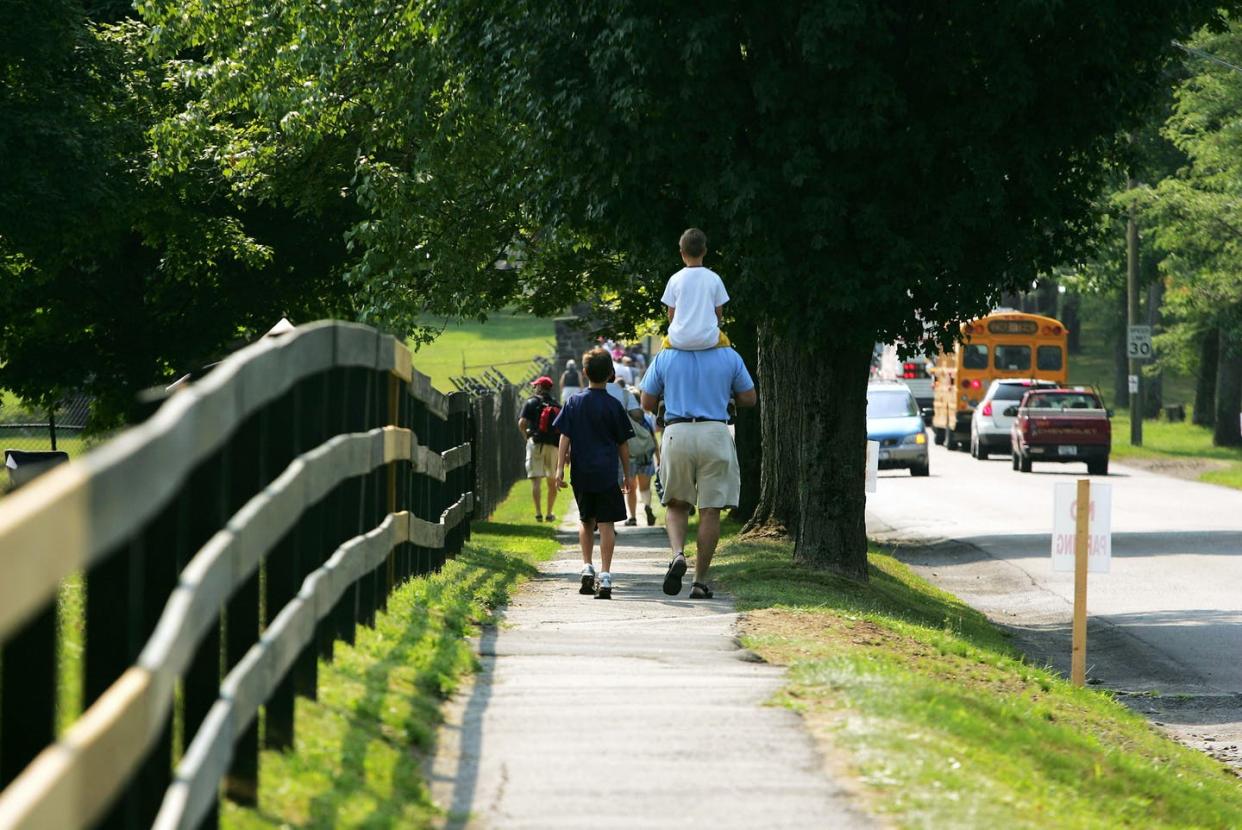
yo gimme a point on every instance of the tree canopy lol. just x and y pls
(112, 278)
(864, 171)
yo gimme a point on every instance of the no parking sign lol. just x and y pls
(1099, 530)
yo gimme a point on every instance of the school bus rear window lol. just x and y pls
(1013, 358)
(974, 356)
(1048, 358)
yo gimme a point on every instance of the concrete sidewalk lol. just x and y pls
(639, 712)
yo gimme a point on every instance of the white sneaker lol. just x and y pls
(588, 580)
(603, 586)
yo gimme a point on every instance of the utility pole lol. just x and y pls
(1132, 308)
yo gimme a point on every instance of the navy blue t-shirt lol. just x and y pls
(596, 425)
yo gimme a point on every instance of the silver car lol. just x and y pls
(989, 425)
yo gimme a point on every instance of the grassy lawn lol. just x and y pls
(944, 722)
(508, 341)
(1176, 442)
(357, 758)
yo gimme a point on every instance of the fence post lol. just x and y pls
(162, 560)
(27, 693)
(113, 622)
(209, 493)
(281, 575)
(247, 474)
(313, 430)
(394, 419)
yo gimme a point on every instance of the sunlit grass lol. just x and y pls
(506, 338)
(944, 722)
(356, 759)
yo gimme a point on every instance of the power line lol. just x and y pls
(1191, 50)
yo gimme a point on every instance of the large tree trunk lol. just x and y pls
(1153, 386)
(748, 428)
(1205, 384)
(1069, 316)
(1121, 361)
(832, 404)
(1225, 432)
(781, 383)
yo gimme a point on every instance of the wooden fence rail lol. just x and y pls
(225, 545)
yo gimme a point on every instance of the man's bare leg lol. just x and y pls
(709, 535)
(631, 499)
(677, 520)
(551, 494)
(535, 494)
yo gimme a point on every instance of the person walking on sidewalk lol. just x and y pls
(698, 461)
(594, 431)
(536, 422)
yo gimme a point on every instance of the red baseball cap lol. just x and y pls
(542, 380)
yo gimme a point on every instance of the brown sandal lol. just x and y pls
(699, 590)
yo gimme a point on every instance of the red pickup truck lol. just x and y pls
(1061, 425)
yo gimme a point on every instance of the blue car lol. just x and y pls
(893, 419)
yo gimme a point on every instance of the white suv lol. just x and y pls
(989, 425)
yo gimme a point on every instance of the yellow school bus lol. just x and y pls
(1005, 344)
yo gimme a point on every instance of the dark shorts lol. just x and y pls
(608, 506)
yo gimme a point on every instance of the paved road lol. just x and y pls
(1166, 622)
(639, 712)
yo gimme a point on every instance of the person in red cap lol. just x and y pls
(538, 414)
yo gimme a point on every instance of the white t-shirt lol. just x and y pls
(624, 373)
(694, 292)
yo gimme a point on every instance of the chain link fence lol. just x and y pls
(499, 452)
(31, 430)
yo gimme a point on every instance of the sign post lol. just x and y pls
(1138, 349)
(873, 465)
(1078, 652)
(1081, 542)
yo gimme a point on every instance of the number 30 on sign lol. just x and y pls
(1065, 527)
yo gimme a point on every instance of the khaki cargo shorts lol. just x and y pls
(698, 465)
(540, 460)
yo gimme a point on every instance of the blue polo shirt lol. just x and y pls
(596, 426)
(697, 384)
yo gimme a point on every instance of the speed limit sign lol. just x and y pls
(1139, 343)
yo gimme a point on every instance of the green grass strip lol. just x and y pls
(357, 759)
(944, 722)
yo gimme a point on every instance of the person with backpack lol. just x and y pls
(536, 422)
(644, 456)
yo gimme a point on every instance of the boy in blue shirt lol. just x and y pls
(594, 430)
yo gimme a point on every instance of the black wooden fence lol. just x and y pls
(317, 469)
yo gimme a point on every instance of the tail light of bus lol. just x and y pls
(909, 371)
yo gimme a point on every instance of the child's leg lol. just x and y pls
(607, 538)
(586, 540)
(631, 498)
